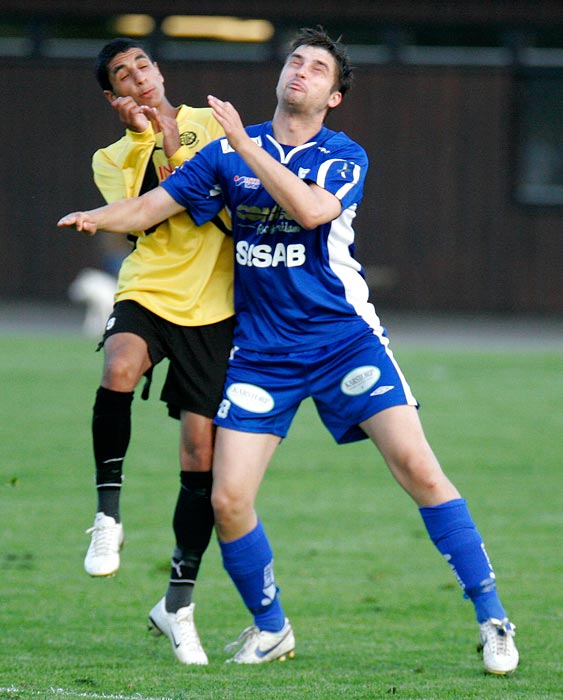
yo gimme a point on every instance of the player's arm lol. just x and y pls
(115, 167)
(131, 214)
(309, 204)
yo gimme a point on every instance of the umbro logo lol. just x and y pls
(381, 390)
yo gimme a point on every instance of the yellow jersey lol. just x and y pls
(179, 271)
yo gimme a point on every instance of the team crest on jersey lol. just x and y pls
(360, 380)
(188, 138)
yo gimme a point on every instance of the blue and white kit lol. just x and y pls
(300, 295)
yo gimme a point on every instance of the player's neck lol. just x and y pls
(295, 129)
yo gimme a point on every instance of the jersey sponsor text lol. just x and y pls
(263, 255)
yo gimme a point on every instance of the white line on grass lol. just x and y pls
(61, 692)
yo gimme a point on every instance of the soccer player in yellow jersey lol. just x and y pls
(174, 301)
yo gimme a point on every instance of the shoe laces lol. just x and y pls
(104, 538)
(499, 635)
(247, 634)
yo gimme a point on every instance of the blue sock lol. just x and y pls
(250, 564)
(453, 531)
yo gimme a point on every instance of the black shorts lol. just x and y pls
(198, 356)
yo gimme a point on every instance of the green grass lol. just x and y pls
(375, 609)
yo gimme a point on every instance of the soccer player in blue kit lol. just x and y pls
(305, 328)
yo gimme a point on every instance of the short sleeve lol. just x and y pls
(195, 186)
(342, 172)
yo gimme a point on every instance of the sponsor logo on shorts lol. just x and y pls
(111, 323)
(250, 397)
(381, 390)
(360, 380)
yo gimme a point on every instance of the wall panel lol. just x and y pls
(438, 229)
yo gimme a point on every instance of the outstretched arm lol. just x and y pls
(130, 214)
(309, 204)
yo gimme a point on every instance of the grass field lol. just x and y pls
(376, 610)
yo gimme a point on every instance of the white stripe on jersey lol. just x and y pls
(323, 171)
(286, 158)
(347, 269)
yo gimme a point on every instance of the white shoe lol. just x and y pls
(180, 629)
(258, 646)
(102, 557)
(500, 654)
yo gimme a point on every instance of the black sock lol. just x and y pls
(111, 432)
(193, 525)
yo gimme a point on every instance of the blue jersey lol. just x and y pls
(295, 289)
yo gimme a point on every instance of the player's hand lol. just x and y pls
(80, 220)
(229, 119)
(131, 115)
(167, 125)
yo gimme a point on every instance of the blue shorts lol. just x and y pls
(349, 382)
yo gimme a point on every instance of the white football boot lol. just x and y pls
(500, 654)
(259, 646)
(102, 557)
(180, 629)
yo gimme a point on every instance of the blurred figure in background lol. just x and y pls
(95, 289)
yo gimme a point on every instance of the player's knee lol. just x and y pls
(223, 502)
(419, 472)
(196, 456)
(120, 374)
(229, 505)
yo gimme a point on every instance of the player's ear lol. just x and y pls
(110, 96)
(334, 100)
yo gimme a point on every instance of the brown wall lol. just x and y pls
(438, 229)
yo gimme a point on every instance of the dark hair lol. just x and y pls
(108, 52)
(318, 37)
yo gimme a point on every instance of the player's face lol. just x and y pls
(308, 81)
(133, 74)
